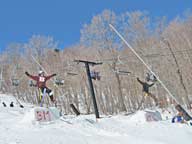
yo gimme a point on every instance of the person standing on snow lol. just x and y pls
(146, 87)
(41, 80)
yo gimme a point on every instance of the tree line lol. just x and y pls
(165, 46)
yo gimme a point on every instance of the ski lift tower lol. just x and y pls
(87, 64)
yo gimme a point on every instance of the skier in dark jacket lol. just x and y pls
(146, 87)
(41, 80)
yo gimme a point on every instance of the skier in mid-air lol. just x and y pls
(41, 80)
(146, 87)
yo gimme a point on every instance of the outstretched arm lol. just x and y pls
(140, 81)
(32, 77)
(50, 76)
(151, 84)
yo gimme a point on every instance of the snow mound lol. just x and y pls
(145, 116)
(138, 117)
(167, 115)
(18, 128)
(40, 114)
(29, 117)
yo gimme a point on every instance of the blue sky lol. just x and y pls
(63, 19)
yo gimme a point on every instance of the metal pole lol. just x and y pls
(92, 90)
(122, 38)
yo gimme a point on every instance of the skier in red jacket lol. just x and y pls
(41, 80)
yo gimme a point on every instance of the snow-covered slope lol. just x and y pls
(17, 126)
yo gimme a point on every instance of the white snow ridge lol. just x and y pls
(18, 126)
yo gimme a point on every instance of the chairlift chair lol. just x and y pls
(15, 82)
(150, 77)
(95, 75)
(59, 82)
(57, 50)
(32, 84)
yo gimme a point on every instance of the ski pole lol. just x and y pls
(21, 106)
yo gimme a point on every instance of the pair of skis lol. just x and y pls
(42, 96)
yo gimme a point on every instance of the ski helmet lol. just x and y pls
(41, 72)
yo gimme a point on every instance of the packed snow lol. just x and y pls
(18, 126)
